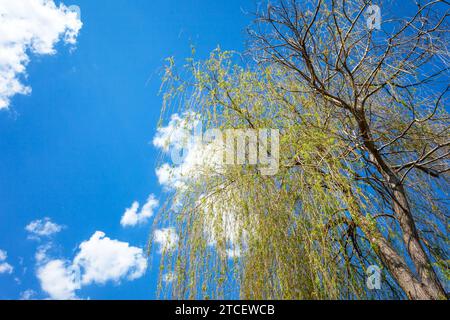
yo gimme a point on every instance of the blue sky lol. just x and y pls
(78, 148)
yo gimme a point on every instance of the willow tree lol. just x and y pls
(364, 158)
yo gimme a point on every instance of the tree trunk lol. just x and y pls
(414, 289)
(424, 269)
(425, 285)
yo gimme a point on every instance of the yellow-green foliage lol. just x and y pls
(298, 232)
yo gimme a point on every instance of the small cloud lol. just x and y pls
(28, 295)
(167, 239)
(102, 259)
(3, 255)
(42, 228)
(169, 277)
(132, 217)
(4, 266)
(99, 260)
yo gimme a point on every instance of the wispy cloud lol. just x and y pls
(28, 295)
(42, 228)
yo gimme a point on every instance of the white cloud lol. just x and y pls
(132, 217)
(41, 253)
(192, 157)
(27, 295)
(177, 132)
(167, 239)
(148, 208)
(3, 255)
(4, 266)
(99, 260)
(59, 279)
(30, 27)
(169, 277)
(102, 259)
(42, 228)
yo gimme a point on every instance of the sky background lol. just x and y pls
(78, 149)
